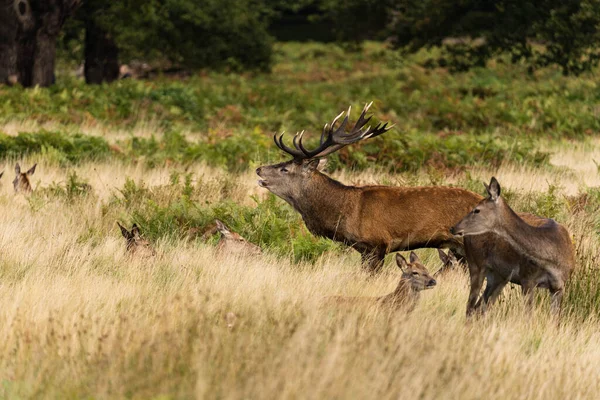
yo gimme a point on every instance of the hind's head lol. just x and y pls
(450, 262)
(21, 182)
(135, 242)
(415, 272)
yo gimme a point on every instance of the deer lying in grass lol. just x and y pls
(374, 220)
(450, 263)
(21, 182)
(534, 252)
(414, 279)
(136, 245)
(232, 243)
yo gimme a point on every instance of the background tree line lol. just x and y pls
(238, 34)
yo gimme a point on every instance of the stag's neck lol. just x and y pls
(323, 204)
(541, 245)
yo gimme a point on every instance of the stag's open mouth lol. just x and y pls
(262, 183)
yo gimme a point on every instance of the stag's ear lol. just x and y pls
(493, 189)
(311, 165)
(443, 256)
(31, 170)
(401, 262)
(323, 163)
(17, 169)
(124, 231)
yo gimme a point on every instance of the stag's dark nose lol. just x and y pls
(432, 282)
(258, 170)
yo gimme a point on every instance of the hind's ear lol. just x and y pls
(222, 227)
(31, 170)
(135, 230)
(17, 169)
(124, 231)
(451, 256)
(1, 173)
(445, 258)
(401, 262)
(413, 257)
(493, 189)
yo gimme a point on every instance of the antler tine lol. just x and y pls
(293, 152)
(332, 139)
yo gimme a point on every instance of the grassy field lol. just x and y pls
(79, 318)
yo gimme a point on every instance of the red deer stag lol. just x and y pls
(374, 220)
(504, 246)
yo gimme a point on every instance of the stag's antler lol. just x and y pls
(333, 140)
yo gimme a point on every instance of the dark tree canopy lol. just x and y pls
(470, 32)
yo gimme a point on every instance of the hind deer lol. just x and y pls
(136, 245)
(374, 220)
(532, 251)
(232, 243)
(414, 279)
(450, 263)
(21, 182)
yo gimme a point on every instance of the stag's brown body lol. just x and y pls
(374, 220)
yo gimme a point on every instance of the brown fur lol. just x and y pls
(21, 182)
(414, 279)
(503, 246)
(374, 220)
(136, 245)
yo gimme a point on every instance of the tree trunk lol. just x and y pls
(101, 55)
(28, 33)
(8, 42)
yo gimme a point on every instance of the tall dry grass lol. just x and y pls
(81, 319)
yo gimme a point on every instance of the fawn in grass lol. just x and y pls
(136, 245)
(415, 278)
(450, 263)
(21, 182)
(503, 246)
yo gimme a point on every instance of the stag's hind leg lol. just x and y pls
(372, 261)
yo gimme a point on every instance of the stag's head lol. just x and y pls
(21, 182)
(486, 216)
(415, 272)
(287, 179)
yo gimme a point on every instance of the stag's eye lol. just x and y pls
(415, 273)
(476, 211)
